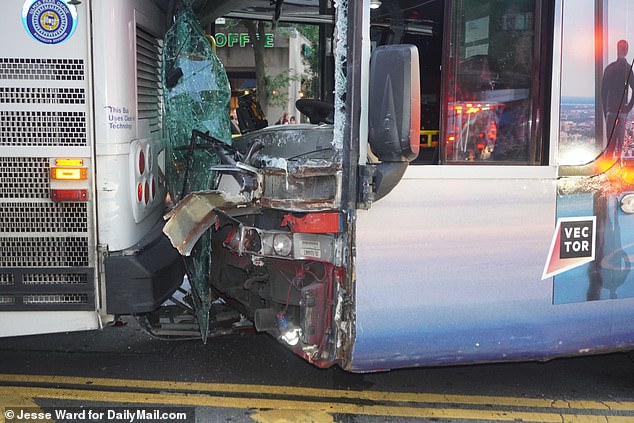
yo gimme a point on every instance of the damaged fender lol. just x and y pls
(191, 218)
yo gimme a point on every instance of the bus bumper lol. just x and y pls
(141, 278)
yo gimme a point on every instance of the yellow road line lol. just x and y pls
(384, 396)
(259, 403)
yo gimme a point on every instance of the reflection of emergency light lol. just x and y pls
(463, 116)
(470, 108)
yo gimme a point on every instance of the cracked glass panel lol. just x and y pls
(197, 96)
(341, 46)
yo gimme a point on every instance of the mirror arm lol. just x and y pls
(377, 180)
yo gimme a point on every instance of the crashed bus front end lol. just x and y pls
(261, 217)
(277, 243)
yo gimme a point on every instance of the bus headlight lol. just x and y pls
(287, 245)
(282, 244)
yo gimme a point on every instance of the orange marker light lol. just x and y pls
(69, 162)
(69, 173)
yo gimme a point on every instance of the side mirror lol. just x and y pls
(394, 103)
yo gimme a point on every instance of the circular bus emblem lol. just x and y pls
(49, 21)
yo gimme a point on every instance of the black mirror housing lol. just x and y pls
(394, 103)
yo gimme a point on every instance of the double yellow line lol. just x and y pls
(372, 403)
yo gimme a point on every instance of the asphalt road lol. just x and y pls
(250, 377)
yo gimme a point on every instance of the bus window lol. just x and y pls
(400, 22)
(481, 98)
(492, 97)
(589, 95)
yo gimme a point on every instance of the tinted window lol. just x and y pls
(492, 95)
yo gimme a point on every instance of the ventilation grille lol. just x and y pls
(42, 69)
(25, 177)
(7, 300)
(46, 247)
(6, 279)
(44, 217)
(50, 299)
(13, 95)
(44, 252)
(26, 128)
(148, 70)
(47, 289)
(55, 279)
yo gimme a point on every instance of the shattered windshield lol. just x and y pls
(197, 96)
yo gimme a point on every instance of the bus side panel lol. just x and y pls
(449, 270)
(141, 267)
(128, 132)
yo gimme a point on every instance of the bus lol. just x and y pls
(458, 189)
(82, 190)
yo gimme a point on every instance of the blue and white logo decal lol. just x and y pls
(49, 21)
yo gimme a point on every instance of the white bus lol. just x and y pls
(460, 192)
(82, 192)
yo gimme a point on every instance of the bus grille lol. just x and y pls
(6, 300)
(55, 299)
(55, 279)
(44, 217)
(50, 129)
(47, 289)
(42, 95)
(47, 248)
(24, 177)
(42, 69)
(6, 279)
(43, 252)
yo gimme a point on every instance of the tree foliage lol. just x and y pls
(270, 88)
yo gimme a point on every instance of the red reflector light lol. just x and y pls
(69, 194)
(139, 192)
(147, 192)
(141, 162)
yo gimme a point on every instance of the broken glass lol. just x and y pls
(341, 47)
(197, 96)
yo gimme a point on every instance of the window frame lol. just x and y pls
(540, 105)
